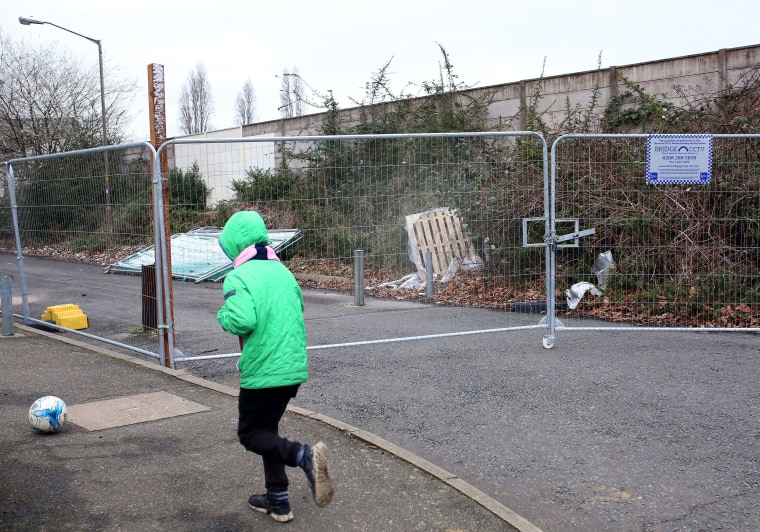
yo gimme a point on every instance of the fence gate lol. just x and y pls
(657, 231)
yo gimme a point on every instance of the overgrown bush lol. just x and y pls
(187, 189)
(64, 202)
(355, 194)
(188, 193)
(263, 185)
(678, 246)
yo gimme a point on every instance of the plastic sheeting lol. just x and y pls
(197, 256)
(576, 292)
(601, 268)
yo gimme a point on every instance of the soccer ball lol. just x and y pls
(47, 414)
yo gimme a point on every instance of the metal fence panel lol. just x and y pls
(66, 208)
(346, 193)
(685, 255)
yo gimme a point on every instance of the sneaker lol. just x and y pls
(315, 467)
(280, 513)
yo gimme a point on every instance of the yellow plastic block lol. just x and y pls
(69, 316)
(50, 312)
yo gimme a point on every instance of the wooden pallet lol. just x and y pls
(440, 232)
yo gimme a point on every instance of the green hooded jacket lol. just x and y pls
(263, 304)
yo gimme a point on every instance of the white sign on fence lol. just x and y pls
(679, 159)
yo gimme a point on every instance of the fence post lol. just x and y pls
(429, 274)
(6, 305)
(19, 248)
(359, 277)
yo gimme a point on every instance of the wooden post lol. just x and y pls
(157, 117)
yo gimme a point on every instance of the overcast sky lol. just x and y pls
(337, 45)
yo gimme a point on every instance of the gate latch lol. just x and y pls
(552, 240)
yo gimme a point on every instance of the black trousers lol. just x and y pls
(260, 412)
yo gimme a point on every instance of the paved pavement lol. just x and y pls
(189, 472)
(624, 430)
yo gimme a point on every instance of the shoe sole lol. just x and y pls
(280, 518)
(323, 485)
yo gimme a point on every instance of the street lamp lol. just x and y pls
(28, 22)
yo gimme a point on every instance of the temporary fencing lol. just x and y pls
(67, 208)
(655, 249)
(477, 213)
(460, 197)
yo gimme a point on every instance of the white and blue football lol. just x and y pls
(47, 414)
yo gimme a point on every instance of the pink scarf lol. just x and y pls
(251, 252)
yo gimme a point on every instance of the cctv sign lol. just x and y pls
(679, 159)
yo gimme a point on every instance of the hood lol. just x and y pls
(243, 229)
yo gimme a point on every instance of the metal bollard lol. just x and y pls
(359, 277)
(429, 274)
(6, 305)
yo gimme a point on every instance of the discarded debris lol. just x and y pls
(197, 256)
(602, 266)
(576, 292)
(441, 233)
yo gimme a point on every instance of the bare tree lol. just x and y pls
(292, 94)
(196, 102)
(49, 103)
(298, 93)
(286, 102)
(246, 104)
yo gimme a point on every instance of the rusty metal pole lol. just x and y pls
(157, 117)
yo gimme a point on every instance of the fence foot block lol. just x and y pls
(68, 315)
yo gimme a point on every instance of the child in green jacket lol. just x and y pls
(263, 305)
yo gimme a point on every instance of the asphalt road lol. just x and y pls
(623, 430)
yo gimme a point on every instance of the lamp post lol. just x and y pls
(29, 21)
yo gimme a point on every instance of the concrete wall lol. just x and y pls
(697, 74)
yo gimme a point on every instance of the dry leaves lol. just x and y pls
(65, 254)
(467, 289)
